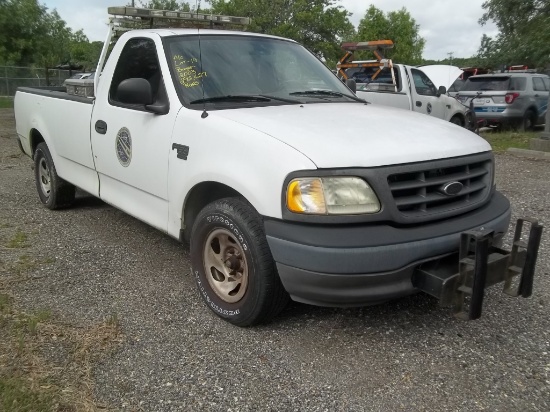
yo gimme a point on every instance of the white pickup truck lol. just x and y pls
(416, 89)
(420, 89)
(212, 137)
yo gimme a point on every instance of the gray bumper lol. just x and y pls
(365, 264)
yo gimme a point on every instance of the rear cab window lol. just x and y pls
(363, 76)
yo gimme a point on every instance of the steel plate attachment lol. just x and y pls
(523, 259)
(480, 264)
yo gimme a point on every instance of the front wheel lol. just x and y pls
(457, 120)
(53, 191)
(232, 264)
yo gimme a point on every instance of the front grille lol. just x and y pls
(419, 193)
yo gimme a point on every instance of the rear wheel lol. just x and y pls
(232, 264)
(53, 191)
(528, 122)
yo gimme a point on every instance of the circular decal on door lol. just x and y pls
(123, 147)
(429, 108)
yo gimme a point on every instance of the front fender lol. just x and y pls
(220, 150)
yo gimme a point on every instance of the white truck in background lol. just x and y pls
(420, 89)
(209, 137)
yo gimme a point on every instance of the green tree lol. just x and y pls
(524, 35)
(54, 46)
(398, 26)
(173, 5)
(30, 35)
(82, 52)
(320, 25)
(22, 27)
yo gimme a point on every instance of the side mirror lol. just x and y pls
(135, 91)
(138, 91)
(441, 90)
(352, 85)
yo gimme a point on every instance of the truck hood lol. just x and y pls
(358, 135)
(441, 74)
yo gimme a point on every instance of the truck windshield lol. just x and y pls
(229, 70)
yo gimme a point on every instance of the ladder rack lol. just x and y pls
(377, 47)
(135, 18)
(140, 18)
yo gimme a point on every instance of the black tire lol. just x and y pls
(528, 122)
(457, 120)
(232, 264)
(54, 192)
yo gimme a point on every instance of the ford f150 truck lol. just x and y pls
(420, 89)
(241, 145)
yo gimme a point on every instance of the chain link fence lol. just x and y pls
(12, 77)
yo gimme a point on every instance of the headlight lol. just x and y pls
(331, 196)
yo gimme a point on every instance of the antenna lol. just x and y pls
(204, 114)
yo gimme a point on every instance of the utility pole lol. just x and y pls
(451, 57)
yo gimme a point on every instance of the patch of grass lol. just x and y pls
(19, 240)
(502, 140)
(6, 103)
(23, 265)
(29, 381)
(29, 323)
(18, 395)
(4, 303)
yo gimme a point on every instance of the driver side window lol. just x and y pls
(138, 59)
(423, 84)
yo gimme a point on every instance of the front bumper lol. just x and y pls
(367, 264)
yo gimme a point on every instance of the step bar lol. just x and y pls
(460, 280)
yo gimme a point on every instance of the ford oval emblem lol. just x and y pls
(451, 188)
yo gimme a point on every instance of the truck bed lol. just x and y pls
(61, 120)
(56, 92)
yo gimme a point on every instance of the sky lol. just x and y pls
(448, 26)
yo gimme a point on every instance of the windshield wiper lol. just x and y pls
(282, 99)
(232, 98)
(324, 93)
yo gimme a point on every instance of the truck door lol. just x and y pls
(130, 144)
(424, 95)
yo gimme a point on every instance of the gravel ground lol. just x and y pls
(177, 356)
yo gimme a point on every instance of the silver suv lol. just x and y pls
(518, 100)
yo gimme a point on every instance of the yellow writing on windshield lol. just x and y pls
(188, 75)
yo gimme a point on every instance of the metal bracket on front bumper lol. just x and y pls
(459, 280)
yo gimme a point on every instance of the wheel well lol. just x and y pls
(533, 111)
(36, 139)
(201, 195)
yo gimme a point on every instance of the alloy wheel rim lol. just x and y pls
(225, 265)
(44, 176)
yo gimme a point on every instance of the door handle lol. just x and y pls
(101, 127)
(418, 103)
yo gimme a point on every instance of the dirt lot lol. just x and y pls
(92, 263)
